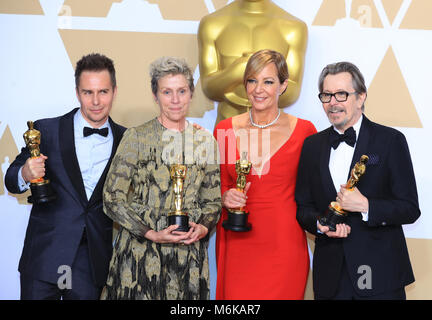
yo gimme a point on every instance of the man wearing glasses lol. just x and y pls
(366, 257)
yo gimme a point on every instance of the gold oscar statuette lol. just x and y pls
(229, 36)
(178, 216)
(41, 189)
(335, 214)
(238, 218)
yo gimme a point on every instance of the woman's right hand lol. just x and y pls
(233, 198)
(168, 235)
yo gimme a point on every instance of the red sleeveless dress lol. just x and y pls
(271, 261)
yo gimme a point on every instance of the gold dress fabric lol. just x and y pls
(138, 195)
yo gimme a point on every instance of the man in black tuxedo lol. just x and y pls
(68, 243)
(366, 257)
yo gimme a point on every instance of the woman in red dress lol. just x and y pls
(271, 260)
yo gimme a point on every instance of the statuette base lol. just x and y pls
(181, 220)
(41, 192)
(237, 221)
(333, 216)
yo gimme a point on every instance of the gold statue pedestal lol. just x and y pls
(237, 221)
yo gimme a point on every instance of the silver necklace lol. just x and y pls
(266, 125)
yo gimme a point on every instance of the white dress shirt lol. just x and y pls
(340, 161)
(93, 152)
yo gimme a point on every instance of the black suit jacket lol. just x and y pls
(388, 183)
(55, 229)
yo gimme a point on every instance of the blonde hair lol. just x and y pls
(260, 59)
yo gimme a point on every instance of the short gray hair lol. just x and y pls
(339, 67)
(170, 66)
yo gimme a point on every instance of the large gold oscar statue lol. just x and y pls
(230, 35)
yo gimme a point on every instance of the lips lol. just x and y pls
(175, 109)
(259, 99)
(335, 110)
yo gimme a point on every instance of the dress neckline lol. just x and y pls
(165, 128)
(259, 173)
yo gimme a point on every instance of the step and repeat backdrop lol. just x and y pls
(41, 40)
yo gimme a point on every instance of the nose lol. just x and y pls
(258, 88)
(333, 100)
(175, 97)
(96, 99)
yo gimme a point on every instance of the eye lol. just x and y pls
(341, 95)
(251, 81)
(269, 82)
(325, 97)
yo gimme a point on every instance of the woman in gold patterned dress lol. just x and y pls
(150, 259)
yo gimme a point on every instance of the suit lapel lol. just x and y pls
(68, 154)
(362, 143)
(117, 135)
(327, 180)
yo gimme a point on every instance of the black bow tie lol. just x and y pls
(349, 136)
(89, 131)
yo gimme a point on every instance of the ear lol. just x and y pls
(283, 87)
(77, 93)
(155, 98)
(362, 97)
(114, 92)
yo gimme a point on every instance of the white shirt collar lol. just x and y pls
(356, 126)
(80, 123)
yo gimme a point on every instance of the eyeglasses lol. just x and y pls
(340, 96)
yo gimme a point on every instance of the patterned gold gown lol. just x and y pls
(138, 195)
